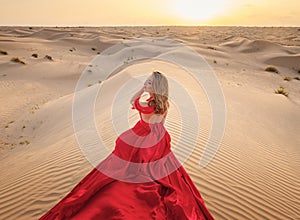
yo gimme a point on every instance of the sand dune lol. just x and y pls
(256, 171)
(291, 61)
(250, 46)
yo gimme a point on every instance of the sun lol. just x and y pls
(199, 10)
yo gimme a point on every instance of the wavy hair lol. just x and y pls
(160, 88)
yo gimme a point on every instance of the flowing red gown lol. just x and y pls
(140, 179)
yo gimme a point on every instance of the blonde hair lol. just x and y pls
(160, 88)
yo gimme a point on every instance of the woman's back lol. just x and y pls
(147, 113)
(153, 118)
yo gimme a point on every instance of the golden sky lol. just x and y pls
(150, 12)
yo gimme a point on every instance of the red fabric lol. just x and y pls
(150, 183)
(145, 110)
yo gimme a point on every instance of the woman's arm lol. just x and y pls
(139, 93)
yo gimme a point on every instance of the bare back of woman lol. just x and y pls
(153, 118)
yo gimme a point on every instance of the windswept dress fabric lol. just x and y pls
(140, 179)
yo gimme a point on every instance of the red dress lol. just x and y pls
(140, 179)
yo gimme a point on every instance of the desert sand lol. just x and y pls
(255, 173)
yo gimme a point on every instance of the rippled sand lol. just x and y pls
(255, 173)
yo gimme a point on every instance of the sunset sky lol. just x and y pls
(150, 12)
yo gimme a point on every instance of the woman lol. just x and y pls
(144, 178)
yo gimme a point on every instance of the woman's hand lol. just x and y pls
(139, 93)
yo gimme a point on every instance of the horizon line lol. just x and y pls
(164, 25)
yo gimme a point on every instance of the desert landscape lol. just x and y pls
(255, 173)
